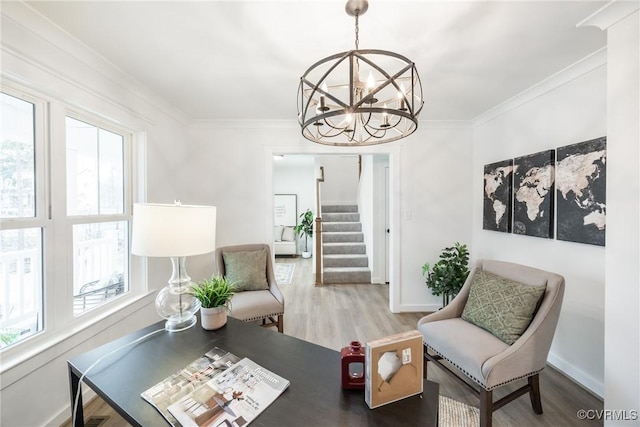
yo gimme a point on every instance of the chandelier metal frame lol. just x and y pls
(357, 112)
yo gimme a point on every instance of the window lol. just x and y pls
(65, 205)
(95, 192)
(95, 174)
(21, 304)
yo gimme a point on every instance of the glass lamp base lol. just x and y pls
(177, 325)
(178, 307)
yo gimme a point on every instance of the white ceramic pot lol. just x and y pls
(306, 254)
(213, 318)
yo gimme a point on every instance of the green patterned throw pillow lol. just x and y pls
(246, 270)
(501, 306)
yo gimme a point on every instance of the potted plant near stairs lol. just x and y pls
(447, 276)
(214, 295)
(305, 229)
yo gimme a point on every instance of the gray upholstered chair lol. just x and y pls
(466, 350)
(264, 305)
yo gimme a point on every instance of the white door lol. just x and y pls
(386, 224)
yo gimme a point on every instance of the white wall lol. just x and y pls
(436, 203)
(569, 108)
(430, 176)
(39, 56)
(341, 178)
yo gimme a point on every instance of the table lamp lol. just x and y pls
(176, 231)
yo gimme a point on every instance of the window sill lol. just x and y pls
(43, 348)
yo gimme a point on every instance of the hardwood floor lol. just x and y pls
(334, 315)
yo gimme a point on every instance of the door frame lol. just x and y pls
(393, 201)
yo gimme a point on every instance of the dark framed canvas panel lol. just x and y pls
(533, 194)
(498, 183)
(581, 176)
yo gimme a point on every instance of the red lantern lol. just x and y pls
(353, 366)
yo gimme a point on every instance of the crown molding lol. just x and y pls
(610, 14)
(585, 65)
(34, 24)
(45, 90)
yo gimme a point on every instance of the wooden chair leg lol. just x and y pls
(486, 407)
(281, 323)
(534, 393)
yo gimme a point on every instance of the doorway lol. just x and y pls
(387, 245)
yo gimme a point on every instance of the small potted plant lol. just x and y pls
(447, 276)
(305, 229)
(215, 299)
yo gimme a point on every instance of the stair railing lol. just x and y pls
(318, 232)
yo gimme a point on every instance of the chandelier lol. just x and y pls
(359, 97)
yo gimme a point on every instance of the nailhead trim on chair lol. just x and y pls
(263, 317)
(480, 383)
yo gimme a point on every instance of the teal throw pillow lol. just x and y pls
(501, 306)
(246, 270)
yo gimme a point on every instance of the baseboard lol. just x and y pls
(583, 379)
(377, 280)
(64, 415)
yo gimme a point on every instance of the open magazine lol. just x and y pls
(232, 398)
(187, 380)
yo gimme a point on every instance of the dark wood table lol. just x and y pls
(314, 397)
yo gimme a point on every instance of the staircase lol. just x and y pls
(345, 255)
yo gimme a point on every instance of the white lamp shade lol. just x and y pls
(173, 230)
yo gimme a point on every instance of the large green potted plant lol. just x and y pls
(305, 229)
(215, 299)
(447, 276)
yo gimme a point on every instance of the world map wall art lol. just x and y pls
(581, 192)
(498, 181)
(533, 191)
(521, 195)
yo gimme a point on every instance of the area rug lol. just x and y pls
(452, 413)
(284, 272)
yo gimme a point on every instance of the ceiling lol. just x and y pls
(238, 60)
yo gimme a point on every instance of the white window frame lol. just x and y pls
(51, 215)
(41, 219)
(59, 206)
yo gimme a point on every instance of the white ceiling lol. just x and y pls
(234, 60)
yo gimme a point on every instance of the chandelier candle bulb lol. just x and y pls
(323, 106)
(385, 117)
(371, 85)
(401, 105)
